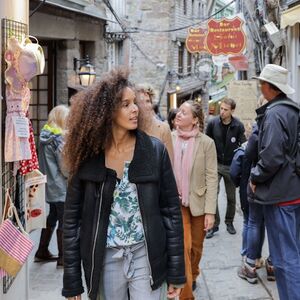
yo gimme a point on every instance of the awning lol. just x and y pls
(91, 10)
(290, 17)
(189, 88)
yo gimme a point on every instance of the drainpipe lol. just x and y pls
(268, 56)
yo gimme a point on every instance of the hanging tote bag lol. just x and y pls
(31, 61)
(15, 244)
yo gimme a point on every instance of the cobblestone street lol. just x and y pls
(219, 280)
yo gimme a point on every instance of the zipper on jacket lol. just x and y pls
(146, 245)
(225, 144)
(95, 238)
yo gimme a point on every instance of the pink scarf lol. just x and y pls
(184, 148)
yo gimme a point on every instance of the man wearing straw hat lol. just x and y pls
(274, 180)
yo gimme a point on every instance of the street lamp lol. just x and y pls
(177, 87)
(86, 71)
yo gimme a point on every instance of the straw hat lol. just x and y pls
(277, 76)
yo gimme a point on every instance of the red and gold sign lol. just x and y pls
(225, 36)
(222, 37)
(195, 41)
(239, 62)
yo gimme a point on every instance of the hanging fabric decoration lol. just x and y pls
(24, 61)
(35, 214)
(27, 166)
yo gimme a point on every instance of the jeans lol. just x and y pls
(224, 171)
(283, 227)
(245, 233)
(255, 232)
(56, 214)
(127, 269)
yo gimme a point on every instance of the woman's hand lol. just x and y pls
(253, 187)
(209, 221)
(75, 298)
(173, 291)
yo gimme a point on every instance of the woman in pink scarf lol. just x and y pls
(195, 168)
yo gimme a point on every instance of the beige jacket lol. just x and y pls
(161, 130)
(203, 176)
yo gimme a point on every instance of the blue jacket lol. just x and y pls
(274, 175)
(239, 172)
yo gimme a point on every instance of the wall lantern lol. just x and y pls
(177, 87)
(85, 71)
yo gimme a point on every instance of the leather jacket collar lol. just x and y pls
(141, 169)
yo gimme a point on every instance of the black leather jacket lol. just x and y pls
(235, 138)
(87, 210)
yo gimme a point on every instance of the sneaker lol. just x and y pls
(210, 233)
(194, 286)
(230, 228)
(270, 271)
(248, 273)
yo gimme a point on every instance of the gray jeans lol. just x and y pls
(127, 270)
(224, 171)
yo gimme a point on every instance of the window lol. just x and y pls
(180, 58)
(184, 7)
(189, 62)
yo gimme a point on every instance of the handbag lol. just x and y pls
(15, 244)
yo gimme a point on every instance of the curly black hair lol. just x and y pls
(89, 129)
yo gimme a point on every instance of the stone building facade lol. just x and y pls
(156, 53)
(67, 30)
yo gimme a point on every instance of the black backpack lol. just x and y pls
(295, 156)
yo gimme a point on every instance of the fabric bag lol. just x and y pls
(31, 59)
(15, 244)
(35, 214)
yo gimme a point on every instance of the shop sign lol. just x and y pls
(225, 36)
(239, 62)
(222, 37)
(195, 41)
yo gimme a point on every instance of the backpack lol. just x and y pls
(236, 167)
(293, 157)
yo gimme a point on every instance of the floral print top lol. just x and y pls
(125, 222)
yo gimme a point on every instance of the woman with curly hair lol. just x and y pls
(122, 214)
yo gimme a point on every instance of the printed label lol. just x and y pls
(21, 126)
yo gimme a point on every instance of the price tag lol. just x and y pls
(21, 127)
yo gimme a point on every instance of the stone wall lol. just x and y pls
(68, 30)
(161, 49)
(153, 66)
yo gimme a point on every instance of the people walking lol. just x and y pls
(50, 151)
(253, 235)
(195, 167)
(148, 122)
(274, 179)
(228, 133)
(122, 215)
